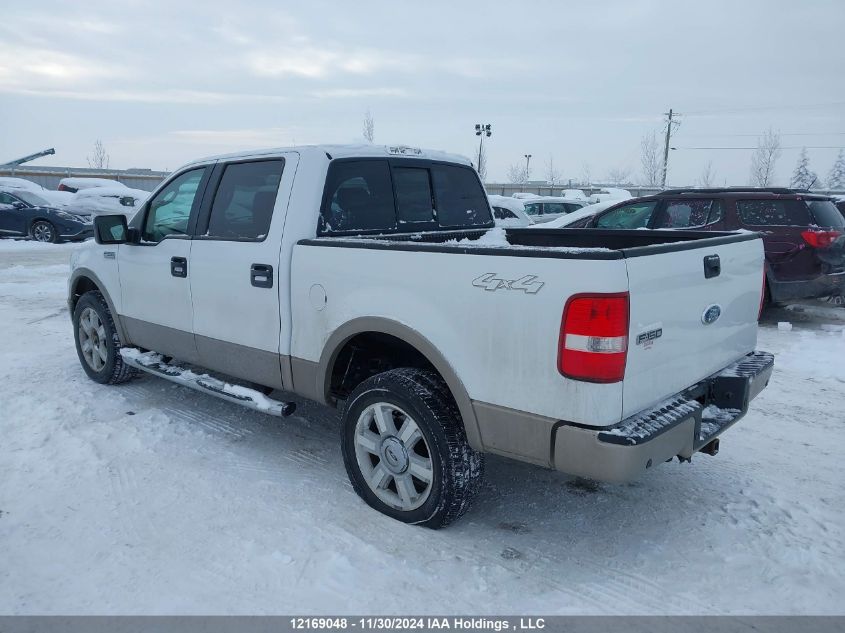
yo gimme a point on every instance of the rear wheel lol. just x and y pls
(43, 231)
(97, 342)
(406, 451)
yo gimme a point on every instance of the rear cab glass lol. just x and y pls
(389, 196)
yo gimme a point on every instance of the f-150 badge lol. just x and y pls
(489, 281)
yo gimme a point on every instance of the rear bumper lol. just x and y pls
(679, 426)
(822, 286)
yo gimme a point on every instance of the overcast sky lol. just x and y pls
(165, 82)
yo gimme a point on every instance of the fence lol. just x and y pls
(49, 177)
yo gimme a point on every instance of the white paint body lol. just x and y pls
(502, 345)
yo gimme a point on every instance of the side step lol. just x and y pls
(153, 363)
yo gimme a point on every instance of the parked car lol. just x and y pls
(108, 200)
(802, 232)
(25, 213)
(73, 185)
(55, 198)
(574, 194)
(545, 208)
(509, 211)
(578, 218)
(368, 278)
(839, 201)
(610, 193)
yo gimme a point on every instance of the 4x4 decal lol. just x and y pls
(489, 281)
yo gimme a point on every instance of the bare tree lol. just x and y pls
(369, 126)
(586, 174)
(517, 174)
(650, 159)
(552, 174)
(619, 175)
(708, 177)
(764, 159)
(100, 159)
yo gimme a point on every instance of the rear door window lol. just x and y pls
(685, 214)
(554, 208)
(359, 197)
(534, 208)
(243, 204)
(635, 215)
(459, 197)
(773, 212)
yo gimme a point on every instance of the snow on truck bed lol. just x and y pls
(151, 498)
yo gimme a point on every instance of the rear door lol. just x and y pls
(686, 321)
(235, 269)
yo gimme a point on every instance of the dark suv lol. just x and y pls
(803, 234)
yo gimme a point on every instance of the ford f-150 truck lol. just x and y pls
(372, 279)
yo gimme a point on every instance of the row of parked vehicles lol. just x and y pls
(803, 233)
(29, 210)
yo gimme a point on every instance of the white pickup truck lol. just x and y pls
(372, 279)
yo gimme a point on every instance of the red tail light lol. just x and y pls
(593, 344)
(820, 239)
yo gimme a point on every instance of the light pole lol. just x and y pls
(482, 130)
(527, 166)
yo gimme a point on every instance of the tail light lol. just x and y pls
(593, 344)
(820, 239)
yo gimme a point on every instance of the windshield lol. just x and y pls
(32, 198)
(826, 214)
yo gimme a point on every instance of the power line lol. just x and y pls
(783, 147)
(780, 133)
(807, 106)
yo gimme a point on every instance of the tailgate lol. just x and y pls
(685, 323)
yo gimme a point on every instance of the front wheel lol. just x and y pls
(97, 342)
(405, 448)
(44, 231)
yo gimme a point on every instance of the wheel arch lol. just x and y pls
(83, 280)
(346, 333)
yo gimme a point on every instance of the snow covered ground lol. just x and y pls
(150, 498)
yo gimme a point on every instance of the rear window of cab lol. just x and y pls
(383, 196)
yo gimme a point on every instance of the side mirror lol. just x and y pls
(111, 229)
(19, 205)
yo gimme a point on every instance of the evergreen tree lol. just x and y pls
(836, 178)
(802, 177)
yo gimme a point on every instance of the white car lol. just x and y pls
(581, 214)
(78, 183)
(373, 279)
(56, 199)
(610, 193)
(544, 209)
(524, 196)
(509, 211)
(108, 200)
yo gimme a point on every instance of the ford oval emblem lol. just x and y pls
(711, 314)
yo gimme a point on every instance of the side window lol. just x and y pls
(682, 214)
(550, 208)
(459, 197)
(630, 216)
(413, 195)
(773, 212)
(572, 207)
(359, 197)
(533, 208)
(170, 209)
(501, 213)
(243, 204)
(5, 198)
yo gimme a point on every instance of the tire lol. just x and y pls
(439, 453)
(101, 360)
(44, 231)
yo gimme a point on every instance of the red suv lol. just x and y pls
(803, 234)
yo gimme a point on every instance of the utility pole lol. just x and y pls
(527, 166)
(482, 130)
(669, 123)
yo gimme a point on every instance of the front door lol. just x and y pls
(155, 272)
(235, 269)
(11, 218)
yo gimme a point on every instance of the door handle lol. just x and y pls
(261, 275)
(179, 266)
(712, 266)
